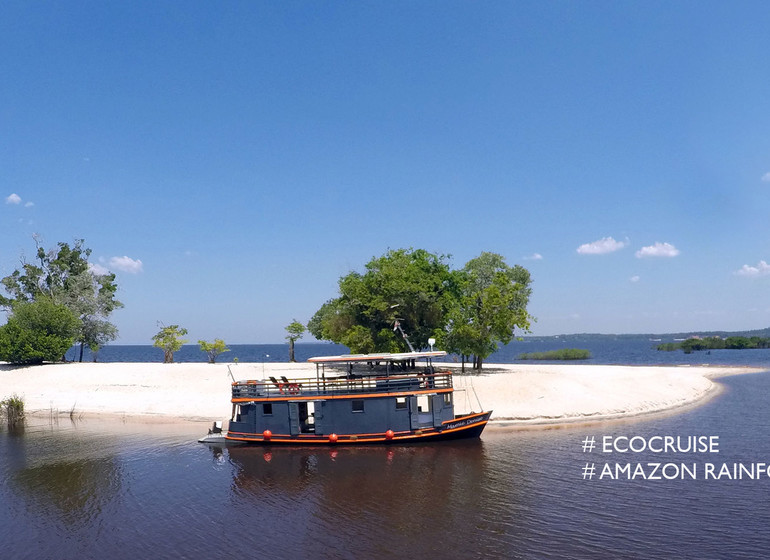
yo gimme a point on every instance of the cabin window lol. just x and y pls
(267, 409)
(423, 403)
(358, 406)
(400, 403)
(447, 399)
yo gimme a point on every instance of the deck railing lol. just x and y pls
(339, 385)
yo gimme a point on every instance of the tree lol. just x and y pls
(65, 277)
(492, 303)
(330, 322)
(213, 349)
(294, 332)
(169, 340)
(92, 298)
(37, 332)
(96, 333)
(738, 343)
(411, 286)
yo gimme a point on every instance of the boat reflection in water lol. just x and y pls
(330, 495)
(400, 469)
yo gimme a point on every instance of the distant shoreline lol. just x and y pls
(608, 350)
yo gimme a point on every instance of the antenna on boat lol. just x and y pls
(397, 327)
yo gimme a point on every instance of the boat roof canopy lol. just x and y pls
(383, 357)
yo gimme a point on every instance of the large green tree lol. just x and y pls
(410, 286)
(492, 302)
(37, 332)
(64, 277)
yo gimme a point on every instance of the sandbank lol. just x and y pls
(519, 394)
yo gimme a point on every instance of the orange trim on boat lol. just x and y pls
(360, 438)
(348, 396)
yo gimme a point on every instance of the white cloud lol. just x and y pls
(98, 269)
(534, 257)
(762, 269)
(766, 177)
(126, 264)
(13, 198)
(657, 250)
(601, 247)
(634, 279)
(29, 204)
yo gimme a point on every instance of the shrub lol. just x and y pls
(38, 332)
(169, 339)
(213, 349)
(13, 410)
(564, 354)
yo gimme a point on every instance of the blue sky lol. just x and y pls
(230, 161)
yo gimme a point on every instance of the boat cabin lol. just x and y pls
(352, 398)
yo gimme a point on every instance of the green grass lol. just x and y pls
(13, 410)
(565, 354)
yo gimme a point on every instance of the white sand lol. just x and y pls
(542, 394)
(518, 394)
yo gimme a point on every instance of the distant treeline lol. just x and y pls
(564, 354)
(716, 343)
(580, 338)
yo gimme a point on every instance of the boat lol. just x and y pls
(353, 399)
(215, 435)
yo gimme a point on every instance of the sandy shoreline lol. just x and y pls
(520, 395)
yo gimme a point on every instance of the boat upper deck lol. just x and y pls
(353, 375)
(382, 357)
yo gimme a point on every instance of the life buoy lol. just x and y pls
(288, 388)
(292, 388)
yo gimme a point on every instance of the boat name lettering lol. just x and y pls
(459, 424)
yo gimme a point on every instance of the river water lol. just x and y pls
(604, 350)
(97, 489)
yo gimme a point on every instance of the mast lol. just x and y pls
(397, 326)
